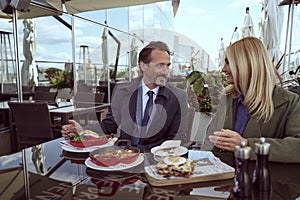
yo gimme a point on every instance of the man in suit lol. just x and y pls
(167, 117)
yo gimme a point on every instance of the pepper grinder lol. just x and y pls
(242, 183)
(261, 175)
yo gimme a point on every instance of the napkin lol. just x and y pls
(198, 155)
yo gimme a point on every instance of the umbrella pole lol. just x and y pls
(16, 42)
(2, 62)
(73, 57)
(129, 67)
(286, 38)
(291, 34)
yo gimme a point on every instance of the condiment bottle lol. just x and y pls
(261, 175)
(242, 183)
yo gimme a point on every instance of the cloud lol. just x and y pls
(192, 11)
(243, 3)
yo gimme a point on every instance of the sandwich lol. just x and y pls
(175, 166)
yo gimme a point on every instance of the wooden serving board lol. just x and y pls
(207, 169)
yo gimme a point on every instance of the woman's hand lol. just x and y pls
(70, 129)
(226, 139)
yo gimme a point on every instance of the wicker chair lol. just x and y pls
(31, 122)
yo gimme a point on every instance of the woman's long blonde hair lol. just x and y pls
(254, 76)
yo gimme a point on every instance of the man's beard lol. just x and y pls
(161, 81)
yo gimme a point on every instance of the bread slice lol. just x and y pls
(175, 166)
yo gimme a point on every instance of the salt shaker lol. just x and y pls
(261, 175)
(242, 183)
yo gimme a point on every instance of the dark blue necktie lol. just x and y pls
(148, 108)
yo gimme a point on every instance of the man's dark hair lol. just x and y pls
(145, 54)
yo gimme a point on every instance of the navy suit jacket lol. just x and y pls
(169, 120)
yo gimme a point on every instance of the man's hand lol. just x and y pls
(70, 129)
(226, 139)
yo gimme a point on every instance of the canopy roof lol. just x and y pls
(40, 8)
(288, 2)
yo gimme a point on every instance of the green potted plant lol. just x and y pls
(204, 90)
(62, 79)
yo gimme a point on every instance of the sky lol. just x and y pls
(213, 20)
(203, 21)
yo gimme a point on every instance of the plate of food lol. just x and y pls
(175, 166)
(176, 170)
(114, 158)
(168, 148)
(120, 166)
(88, 138)
(86, 141)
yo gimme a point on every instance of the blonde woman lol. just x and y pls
(255, 106)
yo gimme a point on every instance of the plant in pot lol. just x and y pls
(203, 91)
(64, 79)
(63, 82)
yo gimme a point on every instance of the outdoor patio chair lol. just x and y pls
(9, 88)
(88, 99)
(42, 88)
(31, 122)
(45, 96)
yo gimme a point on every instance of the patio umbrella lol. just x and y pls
(78, 6)
(29, 71)
(235, 35)
(39, 8)
(32, 9)
(133, 72)
(221, 54)
(104, 47)
(247, 29)
(271, 26)
(175, 4)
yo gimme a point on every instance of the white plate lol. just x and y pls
(68, 147)
(120, 166)
(178, 152)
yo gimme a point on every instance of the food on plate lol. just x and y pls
(88, 138)
(89, 132)
(167, 148)
(114, 157)
(175, 166)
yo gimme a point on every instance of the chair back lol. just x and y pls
(42, 88)
(45, 96)
(26, 88)
(9, 87)
(83, 87)
(87, 99)
(32, 122)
